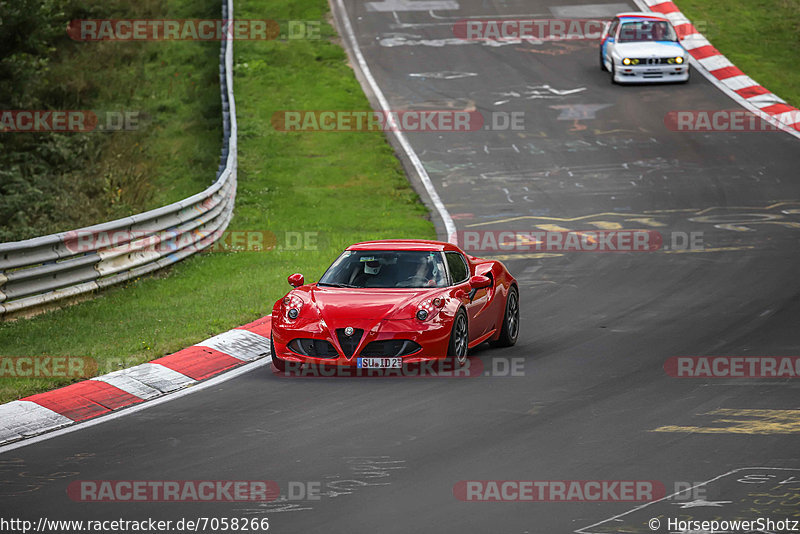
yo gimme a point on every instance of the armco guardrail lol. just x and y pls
(38, 271)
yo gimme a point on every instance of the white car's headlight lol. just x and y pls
(626, 61)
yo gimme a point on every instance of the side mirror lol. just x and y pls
(296, 280)
(606, 26)
(479, 282)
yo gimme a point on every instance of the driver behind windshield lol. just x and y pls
(405, 269)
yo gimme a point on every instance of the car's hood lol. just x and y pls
(340, 304)
(650, 49)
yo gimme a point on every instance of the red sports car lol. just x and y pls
(384, 304)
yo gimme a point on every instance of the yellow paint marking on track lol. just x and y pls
(733, 227)
(535, 256)
(618, 130)
(770, 207)
(522, 240)
(552, 228)
(718, 249)
(781, 223)
(712, 208)
(559, 219)
(646, 214)
(736, 421)
(647, 221)
(606, 225)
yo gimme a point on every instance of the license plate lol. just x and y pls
(380, 363)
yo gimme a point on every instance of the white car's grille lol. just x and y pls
(653, 61)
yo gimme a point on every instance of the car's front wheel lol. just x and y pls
(602, 61)
(459, 339)
(510, 330)
(279, 364)
(613, 72)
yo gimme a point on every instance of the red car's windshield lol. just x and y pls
(386, 269)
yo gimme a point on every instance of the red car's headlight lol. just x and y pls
(292, 304)
(428, 309)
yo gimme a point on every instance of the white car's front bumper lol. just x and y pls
(651, 73)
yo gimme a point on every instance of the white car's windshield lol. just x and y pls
(646, 30)
(386, 269)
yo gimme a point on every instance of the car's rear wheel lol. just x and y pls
(459, 339)
(279, 364)
(510, 331)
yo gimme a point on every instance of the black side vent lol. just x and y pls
(349, 343)
(316, 348)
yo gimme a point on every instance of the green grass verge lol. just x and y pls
(761, 37)
(345, 186)
(54, 182)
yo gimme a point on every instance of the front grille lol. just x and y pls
(315, 348)
(390, 347)
(349, 343)
(654, 61)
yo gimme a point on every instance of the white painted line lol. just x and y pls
(584, 530)
(157, 376)
(142, 406)
(449, 226)
(24, 418)
(128, 384)
(241, 344)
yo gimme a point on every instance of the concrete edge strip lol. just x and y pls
(161, 378)
(721, 72)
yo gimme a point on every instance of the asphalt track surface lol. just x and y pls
(597, 328)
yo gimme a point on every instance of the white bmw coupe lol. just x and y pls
(643, 47)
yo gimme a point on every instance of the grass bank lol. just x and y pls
(53, 182)
(339, 187)
(761, 37)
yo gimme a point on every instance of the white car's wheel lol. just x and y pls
(602, 61)
(613, 73)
